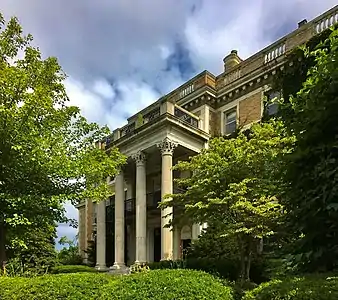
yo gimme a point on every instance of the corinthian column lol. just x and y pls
(166, 147)
(141, 208)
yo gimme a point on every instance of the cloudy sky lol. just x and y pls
(121, 55)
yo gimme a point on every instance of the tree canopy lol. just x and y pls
(310, 110)
(48, 151)
(234, 185)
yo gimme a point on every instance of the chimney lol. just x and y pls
(231, 60)
(301, 23)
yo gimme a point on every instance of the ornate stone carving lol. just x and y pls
(139, 157)
(167, 146)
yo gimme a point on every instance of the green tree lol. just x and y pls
(310, 111)
(234, 186)
(48, 152)
(70, 254)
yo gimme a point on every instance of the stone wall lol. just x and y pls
(82, 230)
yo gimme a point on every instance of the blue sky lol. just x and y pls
(121, 55)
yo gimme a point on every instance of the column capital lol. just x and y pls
(139, 157)
(167, 146)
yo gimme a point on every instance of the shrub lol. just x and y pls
(159, 284)
(224, 268)
(54, 287)
(17, 267)
(71, 269)
(167, 284)
(70, 256)
(305, 288)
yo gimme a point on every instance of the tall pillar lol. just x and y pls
(131, 226)
(82, 229)
(119, 264)
(166, 147)
(101, 236)
(141, 208)
(89, 227)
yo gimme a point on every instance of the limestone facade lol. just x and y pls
(129, 227)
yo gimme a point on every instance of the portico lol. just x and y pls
(140, 228)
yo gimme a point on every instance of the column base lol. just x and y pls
(140, 263)
(101, 268)
(119, 269)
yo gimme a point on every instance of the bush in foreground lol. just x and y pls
(306, 288)
(72, 269)
(167, 285)
(54, 287)
(159, 284)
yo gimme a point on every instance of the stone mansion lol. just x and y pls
(129, 227)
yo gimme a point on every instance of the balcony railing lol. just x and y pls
(152, 115)
(186, 117)
(153, 200)
(127, 129)
(165, 107)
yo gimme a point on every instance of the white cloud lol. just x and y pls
(105, 106)
(90, 103)
(103, 89)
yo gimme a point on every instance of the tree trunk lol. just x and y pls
(246, 258)
(248, 265)
(3, 257)
(242, 268)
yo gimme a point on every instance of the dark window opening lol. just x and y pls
(230, 121)
(272, 105)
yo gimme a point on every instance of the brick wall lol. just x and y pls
(250, 109)
(215, 123)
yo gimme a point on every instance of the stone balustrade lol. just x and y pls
(187, 90)
(166, 107)
(275, 52)
(326, 21)
(232, 76)
(129, 128)
(201, 80)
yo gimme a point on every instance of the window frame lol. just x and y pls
(226, 122)
(272, 94)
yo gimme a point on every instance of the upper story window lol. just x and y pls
(272, 103)
(230, 121)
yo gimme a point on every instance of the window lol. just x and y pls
(230, 121)
(272, 102)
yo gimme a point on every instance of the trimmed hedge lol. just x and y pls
(159, 284)
(72, 269)
(54, 287)
(168, 285)
(223, 268)
(306, 288)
